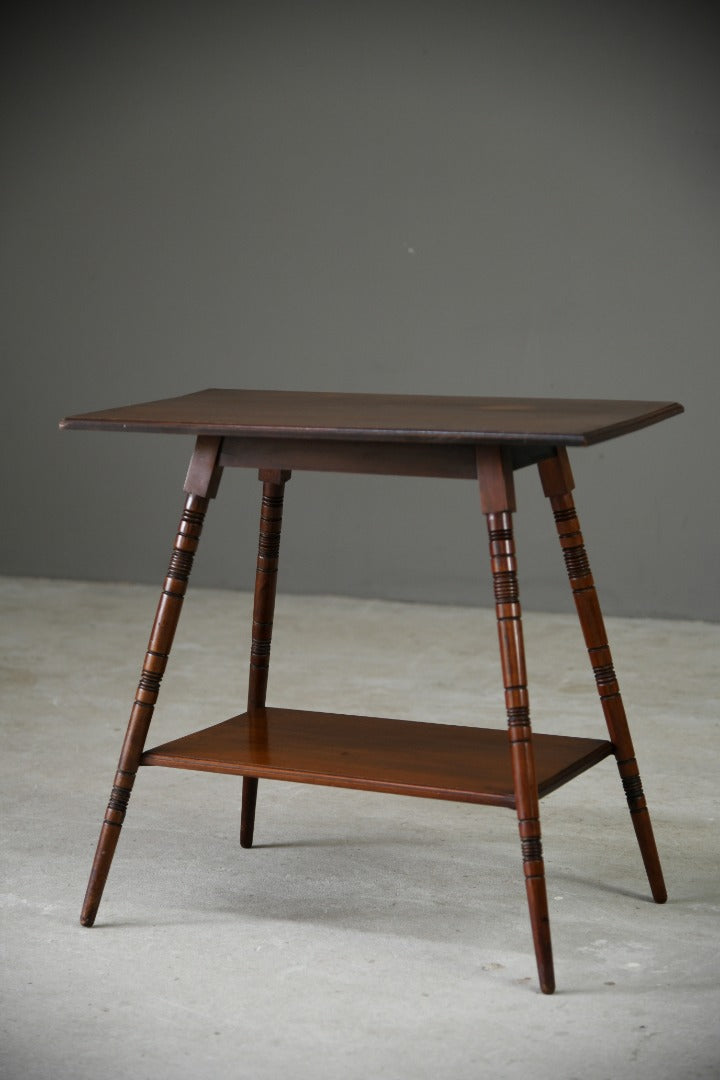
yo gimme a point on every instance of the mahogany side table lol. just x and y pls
(480, 439)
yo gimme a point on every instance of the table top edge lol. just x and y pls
(414, 419)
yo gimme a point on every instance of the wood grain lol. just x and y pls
(557, 480)
(383, 417)
(403, 757)
(266, 575)
(162, 635)
(481, 438)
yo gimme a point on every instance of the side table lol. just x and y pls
(480, 439)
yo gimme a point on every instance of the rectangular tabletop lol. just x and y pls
(383, 418)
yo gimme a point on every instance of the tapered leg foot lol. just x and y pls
(268, 557)
(497, 497)
(203, 476)
(109, 836)
(558, 484)
(507, 606)
(540, 926)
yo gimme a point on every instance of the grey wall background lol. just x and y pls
(437, 198)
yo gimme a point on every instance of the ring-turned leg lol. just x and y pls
(498, 503)
(557, 481)
(273, 481)
(203, 476)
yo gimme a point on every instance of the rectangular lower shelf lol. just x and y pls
(436, 761)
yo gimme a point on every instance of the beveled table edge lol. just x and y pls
(129, 418)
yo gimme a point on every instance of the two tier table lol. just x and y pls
(474, 438)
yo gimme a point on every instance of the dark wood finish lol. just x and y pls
(482, 438)
(266, 575)
(558, 484)
(370, 753)
(495, 477)
(388, 458)
(497, 495)
(203, 470)
(383, 417)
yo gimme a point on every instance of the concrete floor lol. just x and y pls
(366, 935)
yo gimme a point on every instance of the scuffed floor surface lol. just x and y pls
(365, 935)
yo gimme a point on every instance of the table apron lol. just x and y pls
(356, 456)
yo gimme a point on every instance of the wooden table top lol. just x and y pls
(382, 417)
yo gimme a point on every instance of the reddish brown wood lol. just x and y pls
(205, 476)
(485, 438)
(205, 469)
(370, 753)
(404, 418)
(498, 500)
(266, 574)
(495, 477)
(557, 480)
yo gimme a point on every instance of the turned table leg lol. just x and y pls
(200, 486)
(558, 483)
(273, 481)
(498, 502)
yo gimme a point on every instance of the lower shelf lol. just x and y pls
(403, 757)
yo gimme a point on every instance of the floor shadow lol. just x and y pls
(341, 841)
(600, 885)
